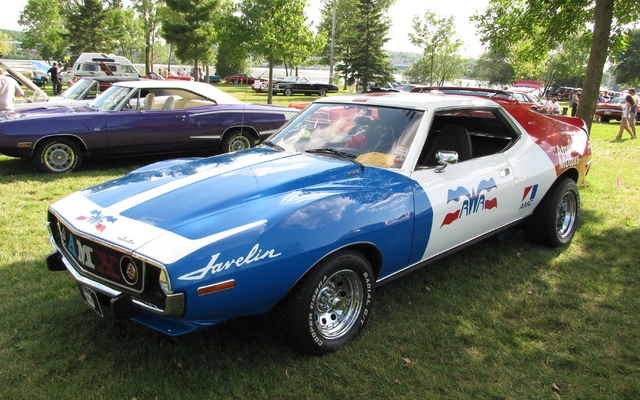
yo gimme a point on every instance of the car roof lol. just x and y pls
(112, 78)
(421, 101)
(202, 89)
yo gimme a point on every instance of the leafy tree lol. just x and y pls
(441, 59)
(364, 61)
(348, 15)
(5, 46)
(545, 23)
(88, 29)
(125, 31)
(568, 63)
(150, 26)
(627, 65)
(45, 32)
(494, 67)
(233, 54)
(278, 30)
(191, 30)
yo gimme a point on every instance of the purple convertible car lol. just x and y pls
(135, 118)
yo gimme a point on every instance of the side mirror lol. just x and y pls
(444, 158)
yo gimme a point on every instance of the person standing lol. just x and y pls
(575, 101)
(9, 90)
(628, 110)
(633, 114)
(54, 73)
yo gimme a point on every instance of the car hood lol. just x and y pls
(45, 110)
(169, 210)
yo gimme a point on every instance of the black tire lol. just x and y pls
(323, 92)
(288, 92)
(331, 304)
(605, 119)
(57, 155)
(237, 140)
(555, 220)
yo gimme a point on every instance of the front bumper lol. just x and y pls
(122, 305)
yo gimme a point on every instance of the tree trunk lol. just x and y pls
(597, 58)
(270, 83)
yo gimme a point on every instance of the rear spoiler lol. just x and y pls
(37, 92)
(575, 121)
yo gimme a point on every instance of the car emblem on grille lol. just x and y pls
(129, 271)
(63, 234)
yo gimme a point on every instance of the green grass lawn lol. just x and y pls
(498, 320)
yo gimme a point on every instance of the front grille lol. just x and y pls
(107, 263)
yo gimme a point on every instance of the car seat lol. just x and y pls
(450, 138)
(149, 101)
(169, 103)
(380, 137)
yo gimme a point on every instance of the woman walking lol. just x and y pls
(628, 117)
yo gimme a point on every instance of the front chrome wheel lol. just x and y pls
(339, 303)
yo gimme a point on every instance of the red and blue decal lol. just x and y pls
(471, 202)
(99, 221)
(528, 196)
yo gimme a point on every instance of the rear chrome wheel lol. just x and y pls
(237, 141)
(554, 222)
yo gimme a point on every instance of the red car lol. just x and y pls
(612, 109)
(247, 79)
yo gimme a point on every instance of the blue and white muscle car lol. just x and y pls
(353, 192)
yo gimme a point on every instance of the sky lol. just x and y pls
(402, 13)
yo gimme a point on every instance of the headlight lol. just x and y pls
(163, 281)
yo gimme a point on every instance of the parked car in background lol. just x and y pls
(93, 64)
(138, 117)
(242, 79)
(214, 79)
(613, 110)
(153, 75)
(78, 94)
(352, 193)
(529, 100)
(301, 85)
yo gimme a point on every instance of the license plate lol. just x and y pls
(607, 111)
(89, 296)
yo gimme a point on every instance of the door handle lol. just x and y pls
(181, 116)
(505, 172)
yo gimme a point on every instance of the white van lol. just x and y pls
(91, 64)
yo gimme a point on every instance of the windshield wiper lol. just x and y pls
(342, 154)
(272, 145)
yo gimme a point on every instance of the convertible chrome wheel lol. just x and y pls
(331, 304)
(237, 141)
(57, 156)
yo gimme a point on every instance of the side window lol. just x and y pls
(93, 91)
(469, 133)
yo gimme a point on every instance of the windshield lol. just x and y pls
(371, 135)
(78, 89)
(111, 98)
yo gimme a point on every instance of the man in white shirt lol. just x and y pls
(552, 107)
(9, 90)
